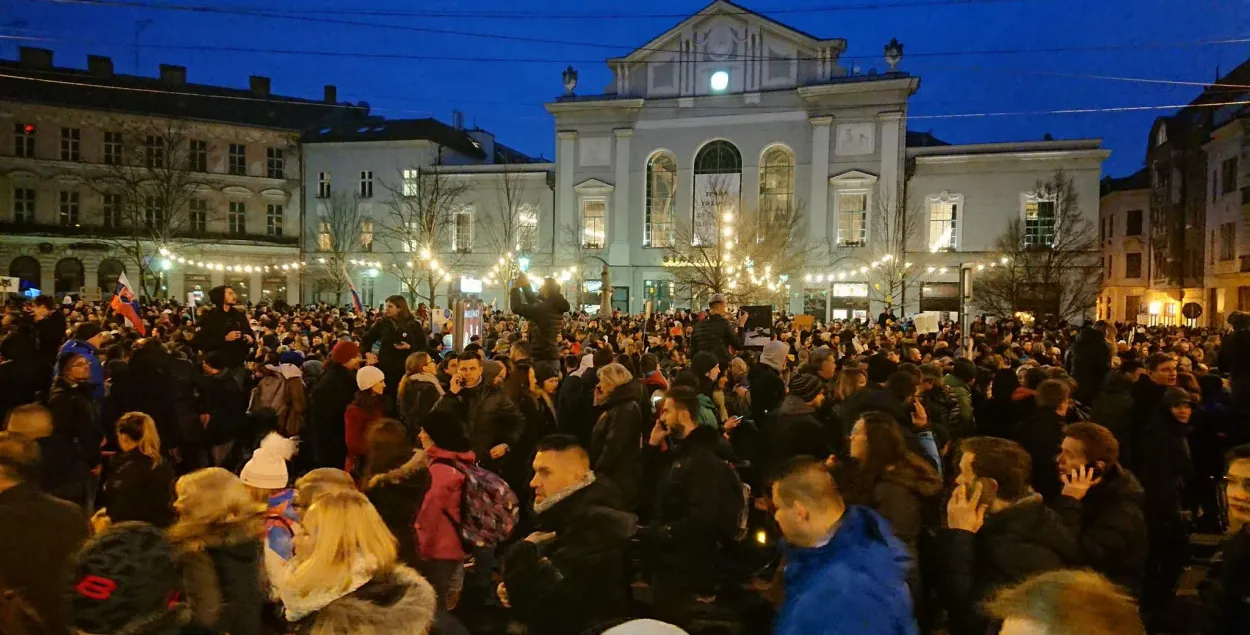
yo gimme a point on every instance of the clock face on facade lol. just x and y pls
(720, 41)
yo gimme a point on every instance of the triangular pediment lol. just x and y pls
(853, 178)
(593, 186)
(724, 11)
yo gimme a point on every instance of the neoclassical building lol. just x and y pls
(728, 96)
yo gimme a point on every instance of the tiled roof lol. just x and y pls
(375, 129)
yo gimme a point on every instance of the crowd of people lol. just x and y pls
(248, 469)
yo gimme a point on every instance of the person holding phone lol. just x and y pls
(715, 334)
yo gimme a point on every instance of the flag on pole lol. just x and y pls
(126, 303)
(360, 310)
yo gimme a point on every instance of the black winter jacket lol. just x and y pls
(388, 333)
(327, 406)
(137, 489)
(615, 444)
(490, 419)
(40, 535)
(716, 335)
(1013, 544)
(794, 431)
(546, 318)
(76, 418)
(222, 582)
(225, 403)
(397, 495)
(767, 390)
(577, 579)
(49, 335)
(1041, 435)
(215, 325)
(1227, 596)
(1113, 409)
(1110, 527)
(1088, 363)
(1163, 450)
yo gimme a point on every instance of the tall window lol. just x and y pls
(852, 218)
(366, 236)
(527, 229)
(324, 242)
(71, 139)
(776, 183)
(275, 163)
(1228, 241)
(113, 148)
(197, 215)
(236, 218)
(153, 213)
(323, 185)
(1039, 222)
(1132, 223)
(154, 151)
(273, 220)
(197, 155)
(1132, 265)
(718, 188)
(24, 140)
(1228, 175)
(594, 222)
(23, 204)
(462, 231)
(69, 208)
(366, 184)
(661, 200)
(944, 221)
(410, 182)
(111, 211)
(236, 160)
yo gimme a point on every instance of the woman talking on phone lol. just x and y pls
(398, 335)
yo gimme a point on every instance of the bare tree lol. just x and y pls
(149, 180)
(420, 223)
(339, 237)
(582, 252)
(510, 226)
(1049, 263)
(896, 265)
(743, 254)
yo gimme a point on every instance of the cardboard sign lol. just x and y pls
(804, 322)
(926, 322)
(9, 285)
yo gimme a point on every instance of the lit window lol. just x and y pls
(237, 218)
(852, 218)
(1039, 222)
(462, 231)
(661, 200)
(324, 242)
(776, 183)
(944, 221)
(718, 188)
(594, 218)
(273, 220)
(366, 236)
(410, 186)
(527, 229)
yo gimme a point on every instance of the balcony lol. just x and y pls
(96, 231)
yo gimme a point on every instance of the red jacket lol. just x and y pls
(440, 511)
(356, 422)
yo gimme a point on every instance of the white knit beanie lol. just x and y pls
(367, 376)
(267, 468)
(644, 627)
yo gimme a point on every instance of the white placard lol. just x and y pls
(926, 322)
(9, 285)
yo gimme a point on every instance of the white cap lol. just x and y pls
(644, 627)
(267, 467)
(367, 376)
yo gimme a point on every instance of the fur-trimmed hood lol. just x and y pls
(419, 461)
(397, 602)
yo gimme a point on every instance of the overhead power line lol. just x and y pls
(1059, 111)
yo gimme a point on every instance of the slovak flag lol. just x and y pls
(360, 310)
(126, 303)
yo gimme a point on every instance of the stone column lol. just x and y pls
(175, 279)
(256, 282)
(566, 162)
(292, 287)
(47, 275)
(818, 206)
(620, 213)
(216, 278)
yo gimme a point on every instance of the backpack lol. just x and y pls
(734, 520)
(270, 393)
(489, 509)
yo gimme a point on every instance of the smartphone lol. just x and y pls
(989, 490)
(1096, 472)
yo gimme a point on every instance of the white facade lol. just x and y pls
(1124, 229)
(1228, 235)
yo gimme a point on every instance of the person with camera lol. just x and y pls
(715, 334)
(544, 312)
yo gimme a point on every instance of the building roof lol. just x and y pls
(923, 139)
(35, 80)
(1139, 180)
(378, 129)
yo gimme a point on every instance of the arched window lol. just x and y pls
(776, 182)
(69, 276)
(661, 199)
(27, 270)
(106, 275)
(718, 188)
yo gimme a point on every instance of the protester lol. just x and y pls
(266, 479)
(440, 515)
(1066, 603)
(794, 429)
(1042, 432)
(48, 329)
(545, 314)
(139, 482)
(396, 479)
(365, 410)
(397, 335)
(494, 423)
(88, 339)
(222, 407)
(418, 391)
(1163, 452)
(715, 334)
(224, 328)
(1227, 597)
(76, 422)
(617, 436)
(329, 401)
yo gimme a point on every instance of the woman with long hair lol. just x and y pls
(218, 536)
(616, 440)
(398, 334)
(346, 576)
(419, 390)
(366, 409)
(396, 479)
(139, 482)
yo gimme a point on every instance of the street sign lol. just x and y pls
(1192, 310)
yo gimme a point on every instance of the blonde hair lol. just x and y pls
(319, 482)
(412, 365)
(141, 429)
(214, 508)
(342, 529)
(615, 375)
(31, 420)
(1069, 602)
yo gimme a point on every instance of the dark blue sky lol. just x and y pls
(506, 97)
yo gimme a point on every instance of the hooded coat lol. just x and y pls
(853, 584)
(221, 575)
(1089, 362)
(397, 495)
(615, 443)
(578, 579)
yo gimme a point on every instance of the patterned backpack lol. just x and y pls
(489, 509)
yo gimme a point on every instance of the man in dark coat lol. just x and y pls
(224, 328)
(767, 389)
(1101, 505)
(1042, 432)
(494, 425)
(1163, 451)
(40, 535)
(327, 404)
(570, 574)
(25, 376)
(998, 533)
(222, 407)
(1090, 361)
(698, 498)
(49, 328)
(1234, 358)
(715, 334)
(795, 429)
(545, 314)
(1147, 399)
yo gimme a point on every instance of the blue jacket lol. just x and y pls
(93, 356)
(855, 584)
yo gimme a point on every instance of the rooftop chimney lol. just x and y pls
(457, 119)
(332, 94)
(175, 75)
(259, 85)
(100, 66)
(32, 57)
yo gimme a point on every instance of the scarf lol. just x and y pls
(551, 501)
(429, 379)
